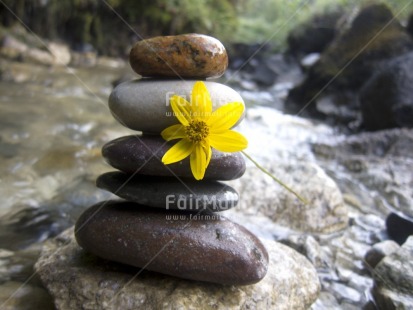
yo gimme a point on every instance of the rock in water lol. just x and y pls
(386, 100)
(348, 62)
(182, 56)
(325, 212)
(203, 247)
(393, 279)
(169, 192)
(143, 154)
(78, 280)
(379, 251)
(144, 104)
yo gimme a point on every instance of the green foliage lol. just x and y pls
(248, 21)
(215, 17)
(271, 20)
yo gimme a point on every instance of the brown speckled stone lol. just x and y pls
(143, 154)
(185, 56)
(212, 249)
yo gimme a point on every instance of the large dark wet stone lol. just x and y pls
(204, 247)
(142, 155)
(170, 192)
(386, 99)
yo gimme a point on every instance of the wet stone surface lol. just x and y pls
(181, 56)
(143, 154)
(77, 280)
(393, 278)
(144, 104)
(169, 192)
(203, 247)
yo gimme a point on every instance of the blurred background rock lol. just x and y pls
(95, 24)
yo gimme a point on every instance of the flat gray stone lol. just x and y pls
(324, 213)
(379, 251)
(393, 279)
(196, 246)
(170, 193)
(78, 280)
(364, 158)
(143, 154)
(144, 104)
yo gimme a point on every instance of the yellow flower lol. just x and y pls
(201, 129)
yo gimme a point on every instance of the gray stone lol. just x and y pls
(308, 246)
(360, 283)
(344, 292)
(324, 213)
(77, 280)
(370, 222)
(38, 56)
(393, 279)
(170, 192)
(379, 251)
(315, 34)
(344, 262)
(144, 104)
(386, 100)
(56, 53)
(326, 301)
(349, 60)
(10, 47)
(60, 53)
(196, 246)
(392, 142)
(383, 179)
(143, 154)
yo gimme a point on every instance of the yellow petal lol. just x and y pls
(181, 109)
(179, 151)
(198, 162)
(173, 132)
(228, 141)
(208, 152)
(201, 103)
(225, 117)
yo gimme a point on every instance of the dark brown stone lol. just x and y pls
(185, 56)
(204, 247)
(143, 154)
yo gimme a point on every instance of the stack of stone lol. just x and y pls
(168, 222)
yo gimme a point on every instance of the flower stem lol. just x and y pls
(275, 179)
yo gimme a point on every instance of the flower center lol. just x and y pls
(197, 131)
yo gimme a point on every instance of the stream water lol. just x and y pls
(53, 123)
